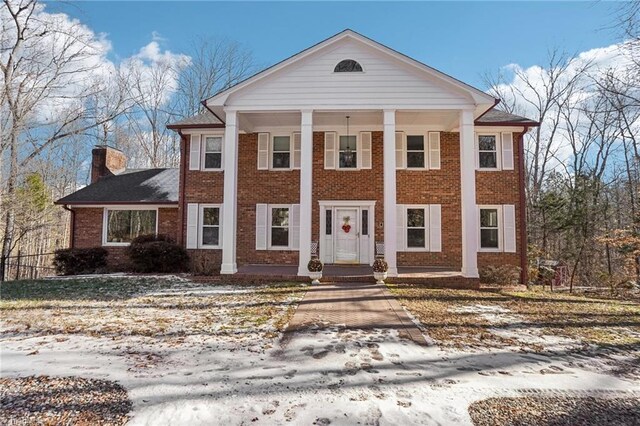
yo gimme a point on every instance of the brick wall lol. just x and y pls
(413, 187)
(88, 232)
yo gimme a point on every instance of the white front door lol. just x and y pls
(347, 235)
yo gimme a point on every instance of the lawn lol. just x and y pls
(530, 320)
(144, 306)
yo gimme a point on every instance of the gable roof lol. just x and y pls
(205, 119)
(477, 94)
(496, 117)
(148, 186)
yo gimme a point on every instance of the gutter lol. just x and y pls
(524, 273)
(72, 226)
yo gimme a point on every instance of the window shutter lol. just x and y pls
(263, 151)
(192, 225)
(509, 227)
(296, 140)
(261, 227)
(507, 151)
(476, 149)
(434, 150)
(294, 227)
(194, 153)
(435, 227)
(401, 154)
(330, 150)
(401, 230)
(364, 150)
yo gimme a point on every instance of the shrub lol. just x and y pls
(157, 253)
(77, 261)
(204, 263)
(501, 275)
(314, 265)
(380, 265)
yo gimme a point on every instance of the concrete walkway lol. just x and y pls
(353, 306)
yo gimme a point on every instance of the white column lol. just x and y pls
(230, 201)
(390, 220)
(306, 188)
(468, 196)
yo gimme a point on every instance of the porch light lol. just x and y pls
(348, 152)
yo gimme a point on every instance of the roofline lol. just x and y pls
(110, 203)
(508, 123)
(195, 126)
(347, 31)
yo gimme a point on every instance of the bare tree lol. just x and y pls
(50, 70)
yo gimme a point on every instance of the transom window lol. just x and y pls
(348, 156)
(281, 158)
(489, 228)
(213, 152)
(280, 227)
(415, 151)
(488, 151)
(416, 228)
(348, 65)
(122, 226)
(210, 226)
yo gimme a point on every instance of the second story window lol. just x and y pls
(415, 152)
(212, 152)
(347, 154)
(281, 152)
(487, 151)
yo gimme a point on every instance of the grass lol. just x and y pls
(457, 318)
(145, 306)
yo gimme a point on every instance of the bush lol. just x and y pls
(157, 253)
(314, 265)
(501, 275)
(380, 265)
(77, 261)
(205, 263)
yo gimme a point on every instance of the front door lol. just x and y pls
(347, 236)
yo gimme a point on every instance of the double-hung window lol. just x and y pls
(416, 227)
(281, 152)
(489, 228)
(122, 226)
(212, 153)
(348, 152)
(415, 152)
(279, 234)
(210, 226)
(487, 151)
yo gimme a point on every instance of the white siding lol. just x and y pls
(311, 81)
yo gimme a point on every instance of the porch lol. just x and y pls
(427, 275)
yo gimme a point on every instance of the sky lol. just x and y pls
(463, 39)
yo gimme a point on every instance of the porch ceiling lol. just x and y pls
(445, 118)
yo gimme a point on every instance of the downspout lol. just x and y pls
(183, 175)
(524, 273)
(72, 226)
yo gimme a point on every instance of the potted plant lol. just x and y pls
(380, 270)
(315, 270)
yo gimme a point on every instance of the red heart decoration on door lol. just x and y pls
(346, 228)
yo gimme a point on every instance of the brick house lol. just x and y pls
(346, 150)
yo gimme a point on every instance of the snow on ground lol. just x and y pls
(328, 376)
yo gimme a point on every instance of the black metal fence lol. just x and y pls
(26, 266)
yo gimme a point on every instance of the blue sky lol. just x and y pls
(464, 39)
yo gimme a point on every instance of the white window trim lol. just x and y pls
(201, 208)
(203, 145)
(105, 221)
(500, 248)
(270, 208)
(425, 150)
(425, 208)
(272, 137)
(498, 137)
(337, 154)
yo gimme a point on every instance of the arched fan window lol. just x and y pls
(348, 65)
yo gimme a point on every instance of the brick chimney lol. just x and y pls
(106, 161)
